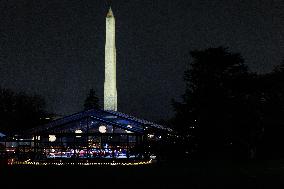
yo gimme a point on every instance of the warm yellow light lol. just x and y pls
(78, 131)
(37, 137)
(87, 163)
(51, 138)
(102, 129)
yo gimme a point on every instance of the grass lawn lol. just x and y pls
(171, 174)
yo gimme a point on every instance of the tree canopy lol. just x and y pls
(91, 101)
(220, 105)
(20, 111)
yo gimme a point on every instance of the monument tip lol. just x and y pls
(110, 13)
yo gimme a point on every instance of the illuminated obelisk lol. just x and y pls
(110, 92)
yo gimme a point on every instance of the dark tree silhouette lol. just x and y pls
(92, 101)
(219, 110)
(19, 111)
(273, 111)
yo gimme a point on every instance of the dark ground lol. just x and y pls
(173, 174)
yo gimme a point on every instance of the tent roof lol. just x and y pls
(114, 118)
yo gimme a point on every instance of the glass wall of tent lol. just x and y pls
(92, 134)
(77, 146)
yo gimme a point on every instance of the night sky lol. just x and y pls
(55, 48)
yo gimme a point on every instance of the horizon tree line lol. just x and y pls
(226, 110)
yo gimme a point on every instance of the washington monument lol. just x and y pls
(110, 92)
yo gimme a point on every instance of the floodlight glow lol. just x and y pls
(78, 131)
(51, 138)
(102, 129)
